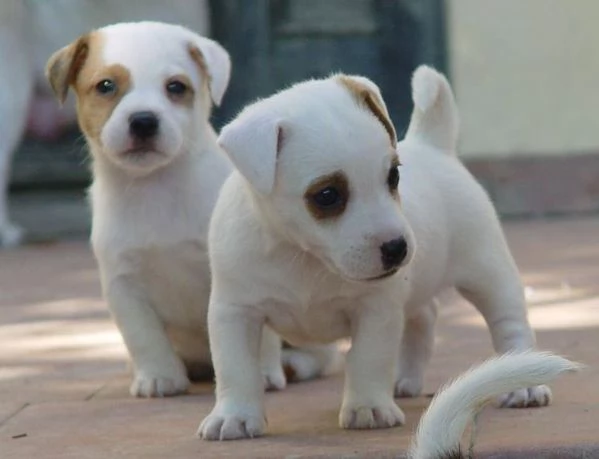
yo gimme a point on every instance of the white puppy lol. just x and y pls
(29, 31)
(312, 236)
(144, 92)
(456, 405)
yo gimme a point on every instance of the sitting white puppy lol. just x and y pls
(312, 236)
(144, 93)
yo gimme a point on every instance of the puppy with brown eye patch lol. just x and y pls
(315, 235)
(144, 95)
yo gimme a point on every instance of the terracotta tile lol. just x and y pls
(64, 358)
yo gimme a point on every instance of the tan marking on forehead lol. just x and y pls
(366, 97)
(94, 109)
(336, 180)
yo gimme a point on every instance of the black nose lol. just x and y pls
(394, 252)
(143, 125)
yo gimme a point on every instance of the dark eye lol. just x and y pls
(327, 197)
(393, 178)
(106, 87)
(176, 88)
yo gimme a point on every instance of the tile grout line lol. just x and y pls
(95, 392)
(4, 421)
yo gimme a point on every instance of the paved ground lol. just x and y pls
(63, 377)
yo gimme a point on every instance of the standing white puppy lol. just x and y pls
(312, 236)
(144, 94)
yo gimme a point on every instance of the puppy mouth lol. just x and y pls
(140, 152)
(382, 276)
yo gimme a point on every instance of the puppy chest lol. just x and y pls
(176, 282)
(316, 324)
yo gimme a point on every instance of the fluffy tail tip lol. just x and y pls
(443, 424)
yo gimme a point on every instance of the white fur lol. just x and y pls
(273, 263)
(150, 215)
(30, 30)
(178, 130)
(150, 220)
(455, 405)
(435, 116)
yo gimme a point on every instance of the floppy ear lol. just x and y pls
(215, 63)
(64, 65)
(252, 142)
(368, 94)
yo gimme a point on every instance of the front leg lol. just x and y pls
(158, 370)
(235, 343)
(368, 396)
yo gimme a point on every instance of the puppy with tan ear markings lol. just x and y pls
(144, 95)
(316, 235)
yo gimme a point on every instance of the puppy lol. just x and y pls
(312, 236)
(144, 93)
(29, 32)
(455, 406)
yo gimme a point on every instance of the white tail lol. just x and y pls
(435, 117)
(455, 405)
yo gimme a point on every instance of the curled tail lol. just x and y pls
(453, 408)
(435, 117)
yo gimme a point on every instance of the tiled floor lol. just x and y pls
(63, 376)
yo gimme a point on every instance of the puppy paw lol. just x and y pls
(408, 387)
(274, 378)
(152, 385)
(11, 235)
(232, 424)
(368, 416)
(526, 398)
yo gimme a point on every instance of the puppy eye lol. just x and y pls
(328, 198)
(176, 88)
(106, 87)
(393, 178)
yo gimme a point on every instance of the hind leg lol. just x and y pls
(416, 350)
(492, 283)
(309, 362)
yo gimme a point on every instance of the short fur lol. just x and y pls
(152, 201)
(30, 31)
(455, 405)
(317, 280)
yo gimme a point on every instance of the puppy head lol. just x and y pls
(320, 161)
(143, 90)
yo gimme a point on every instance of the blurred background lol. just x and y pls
(522, 72)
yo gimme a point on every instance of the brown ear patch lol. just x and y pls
(65, 64)
(198, 58)
(365, 96)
